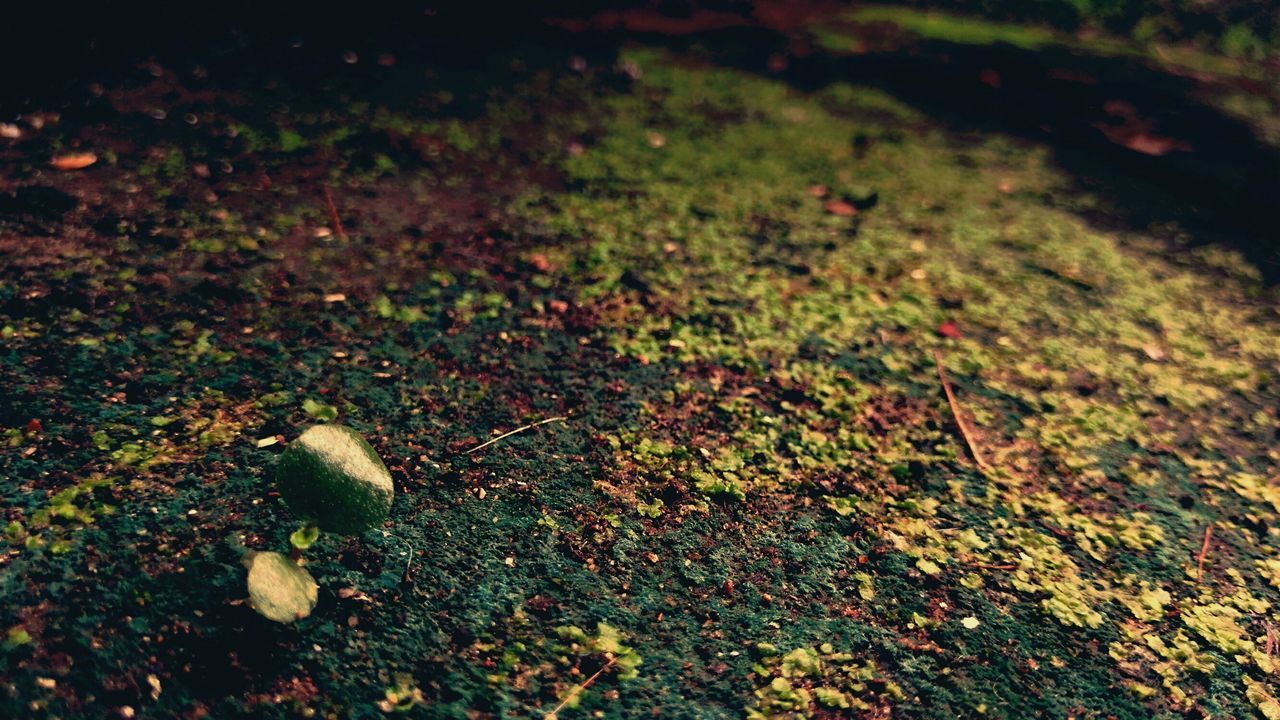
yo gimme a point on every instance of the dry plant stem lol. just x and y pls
(577, 690)
(333, 214)
(520, 429)
(1204, 550)
(955, 412)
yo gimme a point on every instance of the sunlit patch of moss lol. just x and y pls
(384, 308)
(1082, 353)
(1269, 568)
(1076, 427)
(955, 28)
(1146, 601)
(606, 641)
(652, 509)
(916, 536)
(471, 305)
(1237, 44)
(1243, 599)
(198, 344)
(809, 682)
(1263, 698)
(127, 450)
(66, 511)
(524, 659)
(1220, 626)
(1252, 486)
(1098, 534)
(1044, 569)
(1175, 660)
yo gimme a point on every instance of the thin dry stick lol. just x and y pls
(520, 429)
(1204, 549)
(333, 214)
(955, 412)
(577, 690)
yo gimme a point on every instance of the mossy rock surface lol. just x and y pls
(333, 477)
(764, 492)
(279, 589)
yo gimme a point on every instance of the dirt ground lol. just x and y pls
(910, 365)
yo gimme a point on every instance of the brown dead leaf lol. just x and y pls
(1130, 129)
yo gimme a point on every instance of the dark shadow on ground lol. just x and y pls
(1212, 176)
(1194, 166)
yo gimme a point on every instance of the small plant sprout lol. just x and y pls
(303, 538)
(336, 482)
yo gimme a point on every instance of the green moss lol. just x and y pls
(807, 682)
(759, 444)
(935, 24)
(319, 411)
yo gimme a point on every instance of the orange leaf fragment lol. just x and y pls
(73, 161)
(841, 208)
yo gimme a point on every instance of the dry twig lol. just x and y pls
(577, 690)
(955, 412)
(520, 429)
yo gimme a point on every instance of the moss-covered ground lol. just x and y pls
(746, 261)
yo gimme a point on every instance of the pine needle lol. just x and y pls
(333, 214)
(577, 690)
(520, 429)
(1204, 550)
(955, 412)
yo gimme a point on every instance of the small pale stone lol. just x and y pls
(280, 590)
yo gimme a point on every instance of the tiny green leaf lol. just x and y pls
(319, 411)
(17, 636)
(305, 536)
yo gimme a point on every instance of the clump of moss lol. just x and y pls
(816, 682)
